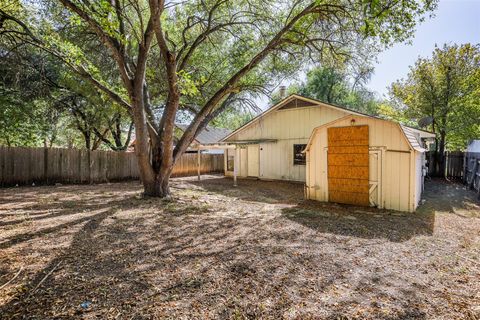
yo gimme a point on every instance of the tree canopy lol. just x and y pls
(444, 92)
(158, 59)
(338, 85)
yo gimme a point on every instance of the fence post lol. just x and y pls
(45, 164)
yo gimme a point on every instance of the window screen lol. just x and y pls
(298, 156)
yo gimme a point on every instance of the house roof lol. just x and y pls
(208, 135)
(313, 102)
(413, 138)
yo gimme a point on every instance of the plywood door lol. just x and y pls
(253, 160)
(348, 165)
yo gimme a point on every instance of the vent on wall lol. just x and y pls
(296, 103)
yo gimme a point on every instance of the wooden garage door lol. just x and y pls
(348, 165)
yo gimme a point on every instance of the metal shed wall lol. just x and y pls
(399, 181)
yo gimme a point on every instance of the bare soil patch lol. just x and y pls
(219, 252)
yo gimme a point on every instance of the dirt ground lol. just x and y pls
(219, 252)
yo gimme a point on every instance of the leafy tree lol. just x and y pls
(444, 88)
(338, 85)
(39, 97)
(206, 52)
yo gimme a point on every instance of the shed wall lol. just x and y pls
(397, 192)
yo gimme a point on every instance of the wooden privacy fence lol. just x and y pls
(454, 163)
(20, 165)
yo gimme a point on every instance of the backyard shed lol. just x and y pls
(368, 161)
(350, 157)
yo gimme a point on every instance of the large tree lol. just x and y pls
(444, 91)
(198, 55)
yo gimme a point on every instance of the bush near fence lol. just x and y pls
(22, 166)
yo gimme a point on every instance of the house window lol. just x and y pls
(299, 157)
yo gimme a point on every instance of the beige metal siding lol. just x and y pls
(396, 187)
(396, 182)
(253, 164)
(288, 124)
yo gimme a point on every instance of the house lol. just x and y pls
(341, 155)
(207, 136)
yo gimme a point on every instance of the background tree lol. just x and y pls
(40, 97)
(342, 86)
(445, 89)
(206, 52)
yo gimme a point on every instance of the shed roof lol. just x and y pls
(411, 135)
(413, 139)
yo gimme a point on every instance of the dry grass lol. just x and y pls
(249, 252)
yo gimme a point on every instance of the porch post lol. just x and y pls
(198, 163)
(235, 166)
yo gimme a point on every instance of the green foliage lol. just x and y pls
(339, 86)
(446, 89)
(211, 40)
(232, 119)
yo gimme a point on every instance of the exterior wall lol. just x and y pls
(396, 185)
(288, 127)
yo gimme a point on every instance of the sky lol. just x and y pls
(455, 21)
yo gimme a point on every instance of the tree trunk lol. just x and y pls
(151, 154)
(159, 187)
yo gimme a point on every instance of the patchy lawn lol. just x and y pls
(215, 251)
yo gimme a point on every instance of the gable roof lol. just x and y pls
(315, 102)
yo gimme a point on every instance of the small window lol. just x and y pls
(299, 157)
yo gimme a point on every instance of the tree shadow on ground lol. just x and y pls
(148, 258)
(76, 273)
(249, 189)
(361, 222)
(332, 218)
(450, 197)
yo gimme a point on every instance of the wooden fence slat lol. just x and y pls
(454, 164)
(24, 166)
